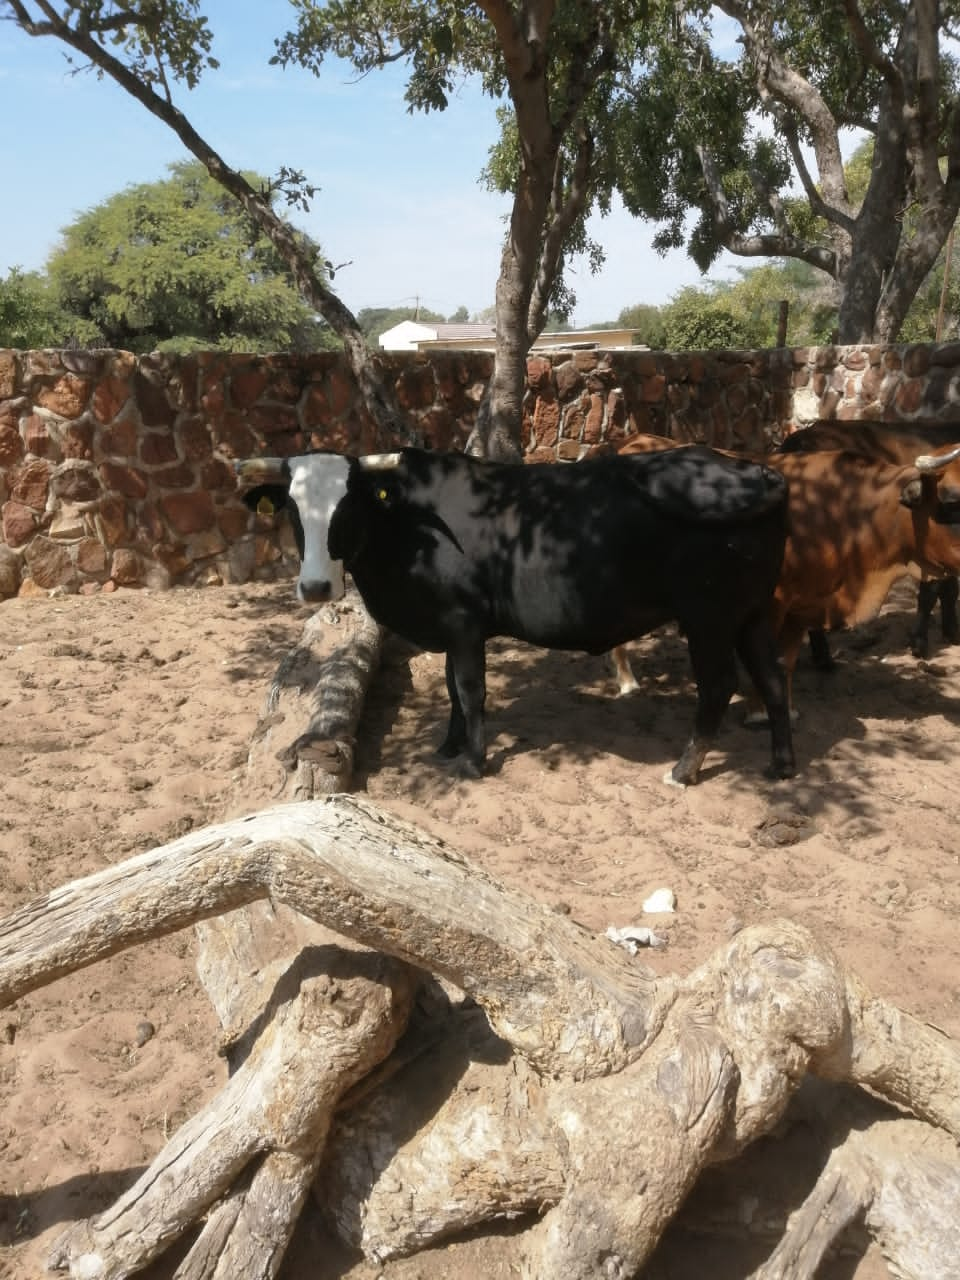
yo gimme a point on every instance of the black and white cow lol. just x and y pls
(449, 551)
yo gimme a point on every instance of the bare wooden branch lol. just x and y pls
(897, 1176)
(363, 1000)
(556, 992)
(314, 701)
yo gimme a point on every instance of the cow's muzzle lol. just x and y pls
(320, 591)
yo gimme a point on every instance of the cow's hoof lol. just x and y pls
(671, 781)
(466, 769)
(780, 769)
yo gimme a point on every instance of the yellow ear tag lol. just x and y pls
(265, 507)
(382, 495)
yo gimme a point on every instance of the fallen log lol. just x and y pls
(302, 747)
(304, 742)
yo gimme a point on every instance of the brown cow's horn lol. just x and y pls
(936, 461)
(380, 461)
(258, 470)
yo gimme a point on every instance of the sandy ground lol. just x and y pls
(125, 720)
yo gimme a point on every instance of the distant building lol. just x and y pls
(410, 335)
(418, 335)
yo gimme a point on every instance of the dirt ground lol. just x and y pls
(125, 721)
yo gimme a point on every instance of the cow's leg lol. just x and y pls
(626, 680)
(928, 592)
(757, 650)
(820, 654)
(467, 689)
(456, 740)
(715, 671)
(949, 593)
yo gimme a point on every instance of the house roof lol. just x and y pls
(419, 335)
(458, 332)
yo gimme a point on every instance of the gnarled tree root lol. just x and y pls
(618, 1092)
(358, 1003)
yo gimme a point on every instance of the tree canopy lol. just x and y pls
(179, 265)
(733, 137)
(641, 98)
(31, 315)
(740, 313)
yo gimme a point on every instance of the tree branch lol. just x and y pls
(566, 207)
(384, 884)
(830, 213)
(777, 244)
(778, 81)
(870, 51)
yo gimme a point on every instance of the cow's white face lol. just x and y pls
(318, 482)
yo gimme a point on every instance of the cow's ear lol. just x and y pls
(265, 499)
(912, 493)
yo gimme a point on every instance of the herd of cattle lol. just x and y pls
(746, 555)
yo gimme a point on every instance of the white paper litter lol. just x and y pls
(634, 936)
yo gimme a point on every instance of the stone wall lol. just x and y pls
(116, 470)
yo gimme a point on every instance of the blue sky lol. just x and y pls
(399, 194)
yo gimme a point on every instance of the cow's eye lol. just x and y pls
(265, 507)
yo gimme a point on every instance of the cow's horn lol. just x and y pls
(258, 470)
(936, 461)
(380, 461)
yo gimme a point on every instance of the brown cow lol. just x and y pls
(856, 526)
(889, 443)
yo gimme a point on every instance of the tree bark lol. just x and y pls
(362, 1000)
(303, 747)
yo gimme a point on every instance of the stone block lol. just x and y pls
(127, 481)
(10, 566)
(67, 396)
(11, 445)
(126, 568)
(18, 524)
(157, 448)
(188, 512)
(30, 484)
(8, 374)
(50, 564)
(109, 398)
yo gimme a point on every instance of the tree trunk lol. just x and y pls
(587, 1039)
